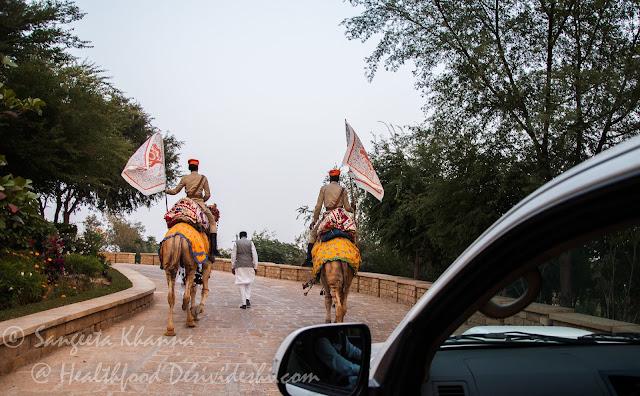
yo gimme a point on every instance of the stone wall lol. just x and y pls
(149, 259)
(120, 257)
(402, 290)
(409, 291)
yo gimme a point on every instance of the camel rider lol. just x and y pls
(331, 196)
(195, 185)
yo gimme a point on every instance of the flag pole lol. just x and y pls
(353, 203)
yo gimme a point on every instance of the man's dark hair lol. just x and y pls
(334, 178)
(193, 167)
(243, 234)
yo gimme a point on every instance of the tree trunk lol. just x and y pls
(566, 295)
(416, 265)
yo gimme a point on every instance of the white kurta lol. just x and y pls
(245, 275)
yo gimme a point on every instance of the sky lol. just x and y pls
(257, 90)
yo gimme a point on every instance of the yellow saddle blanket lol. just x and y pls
(336, 249)
(198, 241)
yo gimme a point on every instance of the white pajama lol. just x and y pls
(244, 279)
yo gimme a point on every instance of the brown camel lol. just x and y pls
(336, 278)
(174, 252)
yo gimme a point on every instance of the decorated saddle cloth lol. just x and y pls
(337, 223)
(188, 211)
(336, 249)
(198, 241)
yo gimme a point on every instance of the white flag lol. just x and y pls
(145, 168)
(360, 165)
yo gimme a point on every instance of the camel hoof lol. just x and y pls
(170, 333)
(191, 324)
(195, 312)
(327, 321)
(201, 309)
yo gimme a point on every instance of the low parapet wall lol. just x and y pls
(28, 338)
(402, 290)
(409, 291)
(120, 257)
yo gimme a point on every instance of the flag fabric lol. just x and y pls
(145, 169)
(360, 166)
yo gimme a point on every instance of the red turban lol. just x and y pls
(194, 162)
(334, 172)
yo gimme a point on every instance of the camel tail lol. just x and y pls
(347, 276)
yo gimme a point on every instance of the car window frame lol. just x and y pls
(553, 228)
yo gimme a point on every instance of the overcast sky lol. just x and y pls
(257, 90)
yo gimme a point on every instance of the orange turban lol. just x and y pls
(194, 162)
(334, 172)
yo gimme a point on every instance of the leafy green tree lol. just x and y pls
(557, 79)
(94, 236)
(441, 192)
(271, 250)
(76, 151)
(124, 236)
(39, 29)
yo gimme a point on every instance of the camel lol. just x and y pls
(336, 278)
(173, 252)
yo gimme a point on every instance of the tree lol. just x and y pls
(270, 249)
(555, 79)
(37, 29)
(124, 236)
(76, 151)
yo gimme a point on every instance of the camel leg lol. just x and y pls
(347, 276)
(192, 307)
(171, 297)
(206, 273)
(187, 296)
(328, 302)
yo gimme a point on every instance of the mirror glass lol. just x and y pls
(334, 357)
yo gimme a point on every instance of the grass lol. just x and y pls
(118, 282)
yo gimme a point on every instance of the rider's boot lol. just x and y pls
(212, 249)
(308, 261)
(213, 242)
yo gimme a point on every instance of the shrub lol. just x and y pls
(21, 279)
(54, 261)
(89, 266)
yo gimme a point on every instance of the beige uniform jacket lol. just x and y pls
(328, 197)
(190, 184)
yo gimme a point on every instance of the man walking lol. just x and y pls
(244, 264)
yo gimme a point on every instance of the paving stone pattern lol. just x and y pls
(228, 353)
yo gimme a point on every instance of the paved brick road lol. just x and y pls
(230, 351)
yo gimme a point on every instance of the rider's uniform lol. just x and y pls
(195, 186)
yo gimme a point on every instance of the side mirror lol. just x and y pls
(326, 359)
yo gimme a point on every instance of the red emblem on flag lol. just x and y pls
(155, 156)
